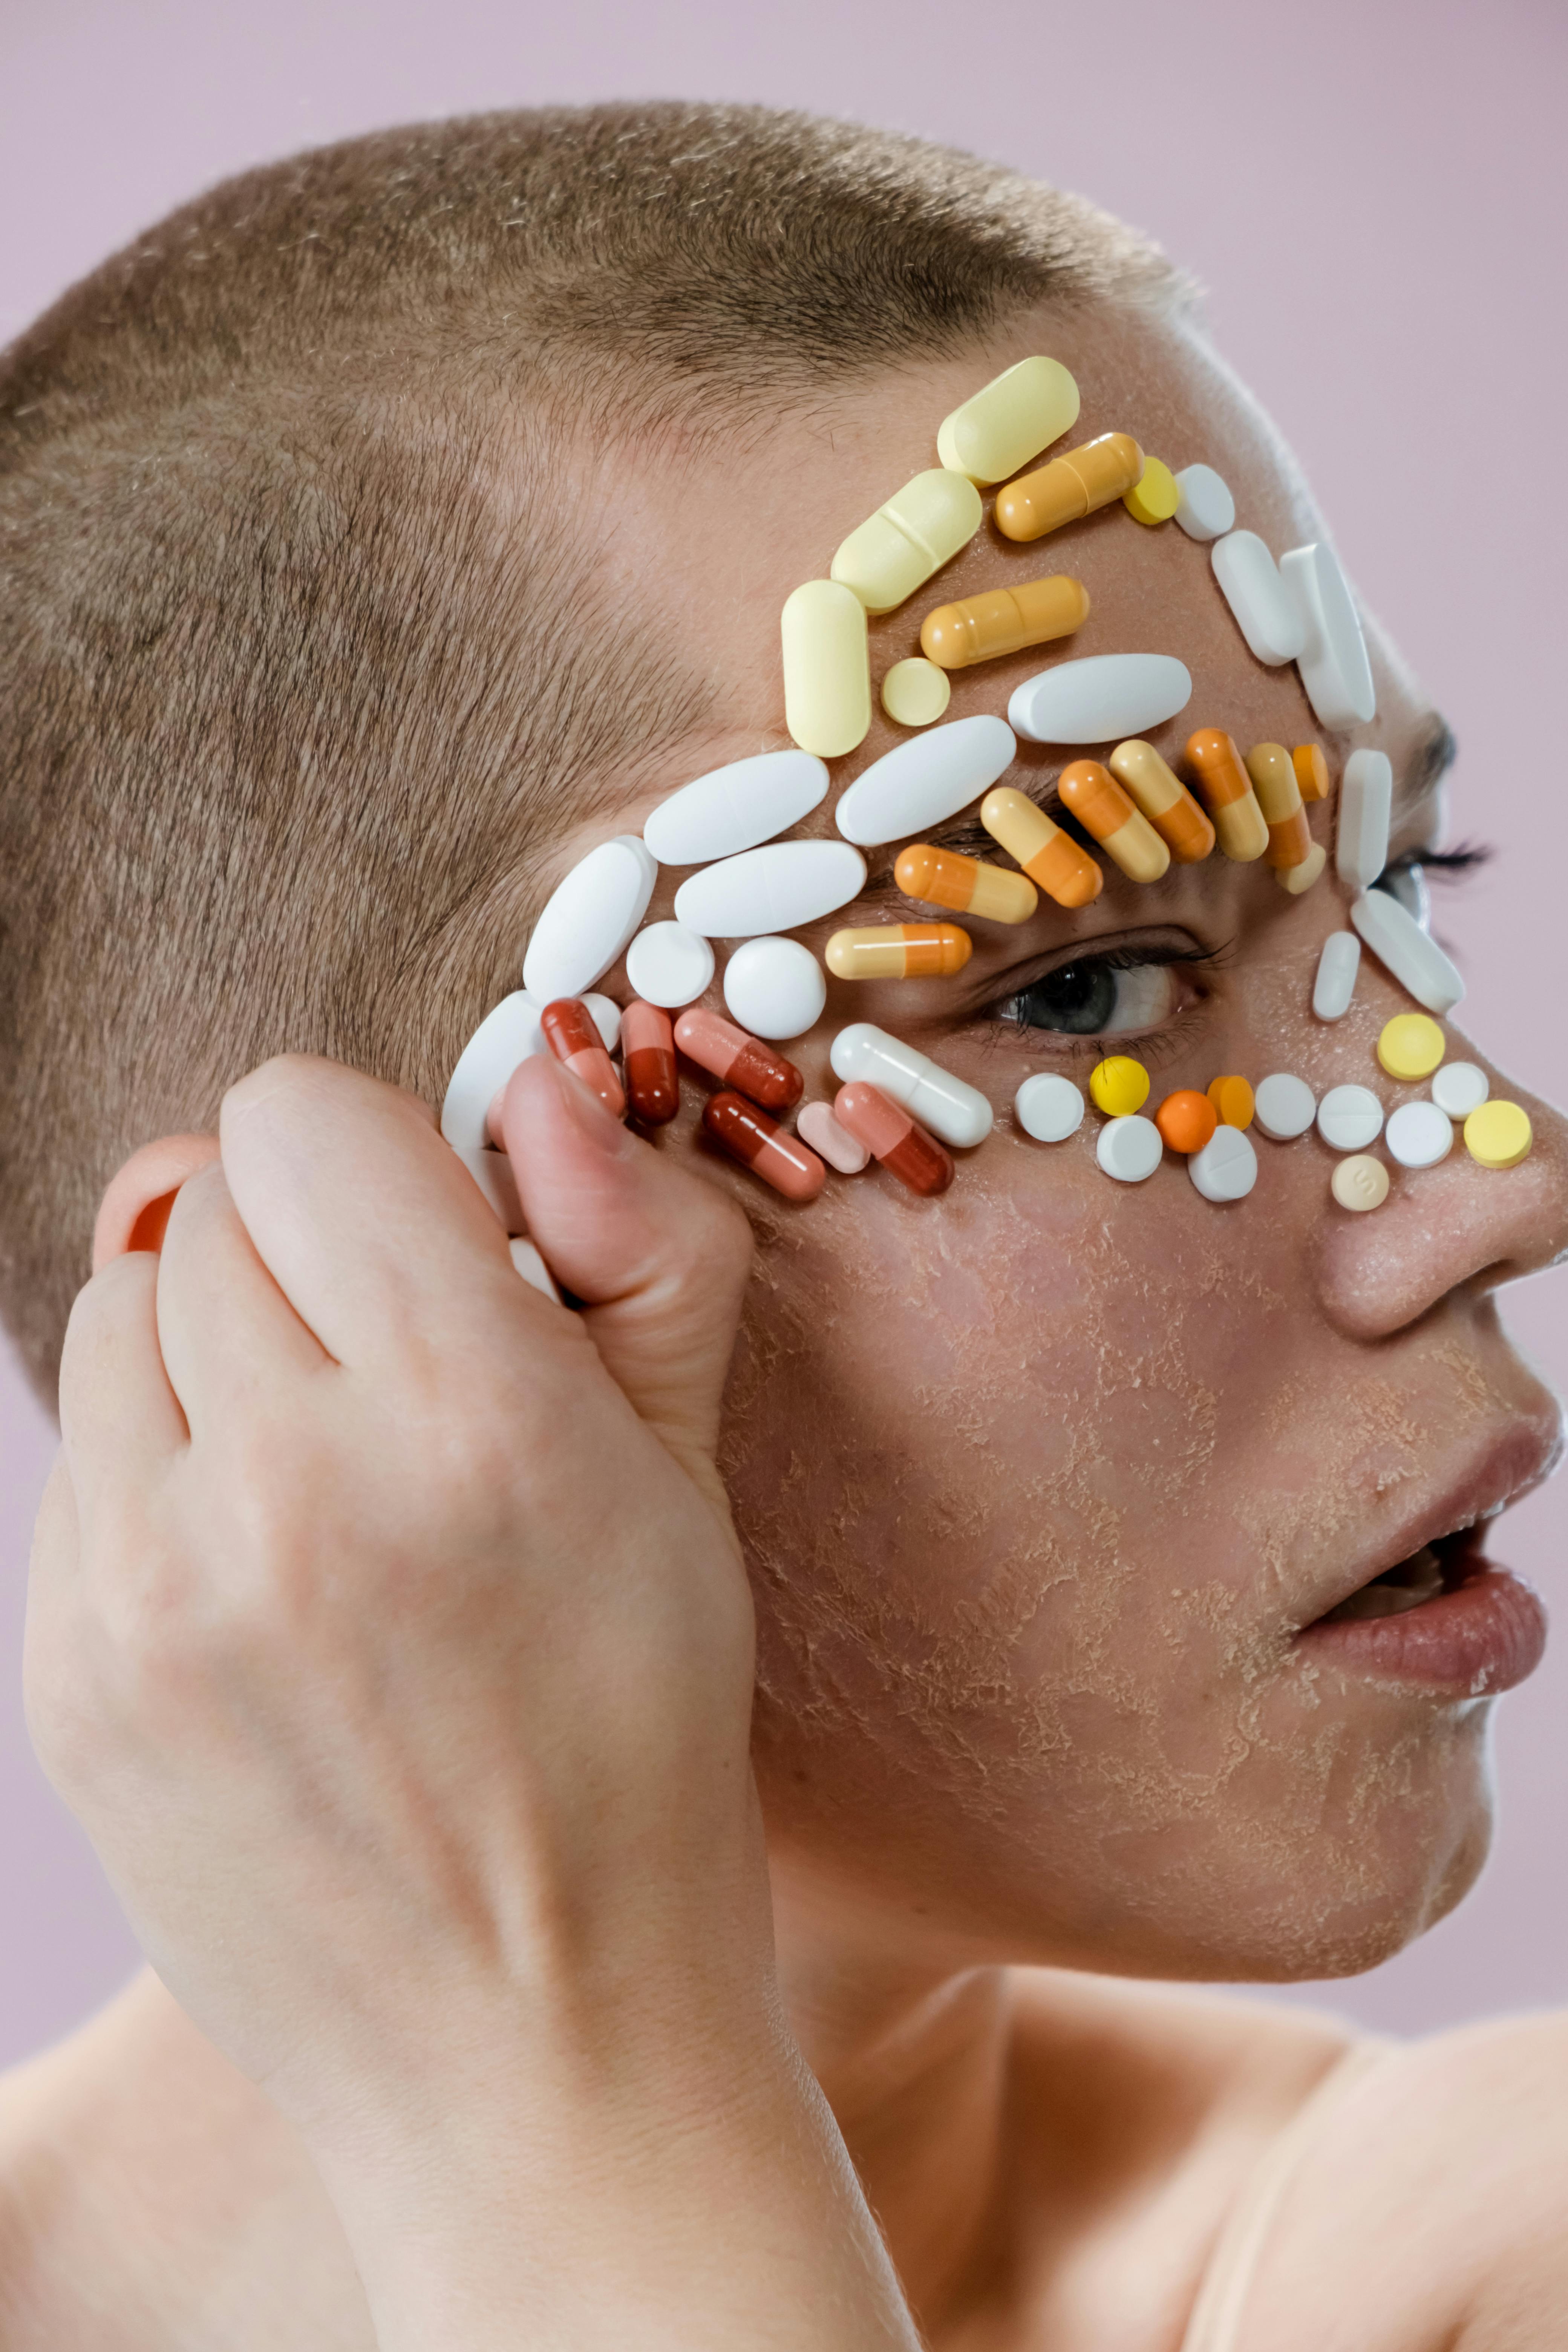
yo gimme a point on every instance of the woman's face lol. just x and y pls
(1041, 1482)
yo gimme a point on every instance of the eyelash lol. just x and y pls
(1004, 1026)
(1461, 865)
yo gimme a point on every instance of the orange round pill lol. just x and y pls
(1186, 1120)
(1232, 1099)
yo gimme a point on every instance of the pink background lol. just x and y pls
(1372, 190)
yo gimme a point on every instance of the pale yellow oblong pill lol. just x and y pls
(1009, 421)
(912, 535)
(826, 668)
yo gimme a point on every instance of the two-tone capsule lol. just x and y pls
(1275, 782)
(647, 1052)
(1003, 621)
(898, 952)
(572, 1036)
(738, 1060)
(1103, 809)
(945, 877)
(1163, 799)
(892, 1138)
(759, 1143)
(1228, 789)
(1077, 483)
(1049, 857)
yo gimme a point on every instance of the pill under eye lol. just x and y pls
(842, 1150)
(1264, 609)
(739, 1061)
(912, 535)
(958, 1113)
(892, 1138)
(1337, 968)
(1009, 420)
(920, 782)
(1099, 697)
(1227, 1167)
(1048, 1108)
(1411, 954)
(1077, 483)
(1350, 1118)
(749, 1136)
(1284, 1107)
(1366, 799)
(1129, 1148)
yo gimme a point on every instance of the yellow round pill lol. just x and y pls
(1497, 1135)
(915, 692)
(1120, 1085)
(1232, 1099)
(1411, 1045)
(1155, 497)
(1360, 1182)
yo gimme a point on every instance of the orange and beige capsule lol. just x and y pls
(1077, 483)
(1003, 621)
(945, 877)
(1048, 854)
(1163, 799)
(1274, 780)
(898, 952)
(1226, 787)
(1103, 809)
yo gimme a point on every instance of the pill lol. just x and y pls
(759, 1143)
(1003, 621)
(920, 782)
(1332, 660)
(507, 1036)
(1337, 968)
(1186, 1120)
(491, 1171)
(913, 534)
(1366, 797)
(606, 1020)
(647, 1047)
(1273, 774)
(1119, 1085)
(736, 1060)
(1418, 1135)
(1077, 483)
(898, 952)
(1284, 1107)
(826, 668)
(1049, 857)
(1163, 799)
(1226, 789)
(1265, 610)
(1350, 1118)
(1129, 1149)
(781, 887)
(1360, 1182)
(1407, 883)
(735, 807)
(571, 1036)
(1050, 1108)
(1233, 1101)
(1411, 1045)
(891, 1137)
(1311, 772)
(1099, 697)
(1295, 879)
(1459, 1087)
(915, 692)
(842, 1150)
(1227, 1167)
(775, 988)
(1103, 809)
(960, 1114)
(589, 919)
(1154, 498)
(945, 877)
(528, 1263)
(1411, 954)
(1205, 507)
(669, 963)
(1009, 421)
(1497, 1135)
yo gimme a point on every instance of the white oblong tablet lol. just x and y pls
(1265, 610)
(1337, 968)
(1284, 1107)
(1411, 954)
(1360, 1182)
(773, 889)
(668, 964)
(1419, 1134)
(606, 1016)
(920, 784)
(507, 1036)
(1101, 698)
(830, 1140)
(1350, 1118)
(1366, 800)
(960, 1114)
(1050, 1108)
(491, 1171)
(1205, 508)
(525, 1258)
(1129, 1149)
(1333, 661)
(775, 988)
(1459, 1087)
(735, 808)
(1227, 1167)
(589, 919)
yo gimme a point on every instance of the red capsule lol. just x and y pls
(739, 1060)
(572, 1036)
(647, 1051)
(890, 1135)
(749, 1136)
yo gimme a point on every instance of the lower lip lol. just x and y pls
(1484, 1637)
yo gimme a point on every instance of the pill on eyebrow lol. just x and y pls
(1411, 1045)
(1119, 1085)
(775, 988)
(1227, 1167)
(779, 889)
(1366, 799)
(647, 1047)
(571, 1036)
(1103, 809)
(589, 919)
(735, 807)
(1129, 1148)
(1273, 774)
(1360, 1182)
(1350, 1118)
(913, 534)
(898, 952)
(509, 1034)
(1419, 1134)
(1205, 509)
(1297, 878)
(945, 877)
(1009, 420)
(1003, 621)
(1077, 483)
(1228, 789)
(1233, 1101)
(669, 964)
(1099, 697)
(920, 782)
(826, 668)
(744, 1062)
(960, 1114)
(1311, 772)
(842, 1150)
(1411, 954)
(1284, 1107)
(1049, 857)
(1337, 968)
(759, 1143)
(1499, 1135)
(1266, 612)
(1048, 1107)
(1154, 498)
(893, 1139)
(1332, 660)
(915, 692)
(1164, 799)
(1186, 1120)
(1459, 1087)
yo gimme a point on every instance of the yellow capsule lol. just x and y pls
(1497, 1135)
(1297, 878)
(826, 668)
(1155, 497)
(1048, 854)
(1163, 799)
(1273, 774)
(1103, 808)
(1411, 1045)
(1226, 787)
(1076, 484)
(1004, 620)
(912, 535)
(1010, 420)
(945, 877)
(915, 692)
(1120, 1085)
(898, 952)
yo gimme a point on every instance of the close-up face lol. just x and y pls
(1048, 1485)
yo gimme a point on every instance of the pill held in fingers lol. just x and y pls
(759, 1143)
(572, 1037)
(737, 1060)
(892, 1138)
(648, 1057)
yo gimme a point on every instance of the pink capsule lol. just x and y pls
(738, 1060)
(572, 1037)
(891, 1137)
(759, 1143)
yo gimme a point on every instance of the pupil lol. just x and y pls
(1076, 997)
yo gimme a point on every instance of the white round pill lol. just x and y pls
(775, 988)
(1350, 1118)
(1205, 508)
(830, 1139)
(1227, 1167)
(1459, 1087)
(1129, 1149)
(607, 1015)
(1283, 1107)
(1048, 1108)
(668, 964)
(1419, 1134)
(1360, 1182)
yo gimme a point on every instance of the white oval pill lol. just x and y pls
(1101, 698)
(668, 964)
(507, 1036)
(831, 1141)
(525, 1258)
(1284, 1107)
(1366, 798)
(775, 988)
(1459, 1087)
(1227, 1167)
(1337, 968)
(1360, 1182)
(960, 1114)
(1129, 1149)
(774, 889)
(1333, 661)
(589, 919)
(1419, 1134)
(1264, 607)
(736, 807)
(919, 784)
(1048, 1108)
(1350, 1118)
(1206, 509)
(1411, 954)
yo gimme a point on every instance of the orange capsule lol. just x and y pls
(1077, 483)
(891, 1137)
(1273, 773)
(1048, 854)
(1163, 799)
(945, 877)
(1232, 1099)
(572, 1036)
(1228, 789)
(759, 1143)
(1003, 621)
(898, 952)
(1311, 772)
(738, 1059)
(1103, 808)
(1186, 1120)
(647, 1051)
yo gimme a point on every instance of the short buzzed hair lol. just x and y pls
(281, 741)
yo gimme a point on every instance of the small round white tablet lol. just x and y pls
(1048, 1108)
(1284, 1107)
(1350, 1118)
(606, 1020)
(775, 988)
(1206, 509)
(1419, 1134)
(1129, 1149)
(831, 1141)
(668, 964)
(1227, 1167)
(1459, 1087)
(1360, 1182)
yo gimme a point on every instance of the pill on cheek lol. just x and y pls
(589, 920)
(669, 964)
(1008, 421)
(1350, 1118)
(1079, 482)
(1273, 774)
(1205, 507)
(893, 1139)
(958, 1113)
(1332, 659)
(1499, 1135)
(1460, 1087)
(1048, 1107)
(1099, 697)
(774, 988)
(1227, 1167)
(1264, 609)
(1233, 1101)
(1129, 1148)
(735, 807)
(1103, 809)
(1419, 1134)
(780, 888)
(736, 1060)
(1003, 621)
(833, 1143)
(898, 952)
(1049, 857)
(647, 1045)
(1226, 788)
(1404, 948)
(1163, 799)
(913, 534)
(920, 782)
(1311, 772)
(1360, 1182)
(1411, 1045)
(1119, 1085)
(1366, 798)
(1295, 879)
(915, 693)
(572, 1036)
(945, 877)
(826, 668)
(1337, 968)
(507, 1036)
(1284, 1107)
(749, 1136)
(1154, 496)
(1186, 1120)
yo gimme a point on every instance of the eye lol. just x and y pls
(1106, 995)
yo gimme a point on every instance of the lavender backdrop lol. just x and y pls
(1373, 192)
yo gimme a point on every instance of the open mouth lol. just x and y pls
(1444, 1617)
(1438, 1567)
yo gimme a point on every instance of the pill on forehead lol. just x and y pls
(1049, 857)
(507, 1036)
(738, 1060)
(1093, 796)
(842, 1150)
(915, 692)
(1266, 612)
(749, 1136)
(946, 878)
(826, 668)
(1099, 697)
(958, 1113)
(898, 952)
(1154, 498)
(913, 534)
(1119, 1085)
(1350, 1118)
(1048, 1107)
(1273, 774)
(893, 1139)
(1497, 1135)
(775, 988)
(778, 889)
(1366, 800)
(589, 919)
(920, 782)
(1205, 507)
(1404, 948)
(1003, 621)
(1227, 1167)
(1008, 421)
(668, 964)
(1284, 1107)
(1411, 1045)
(1129, 1148)
(735, 807)
(1077, 483)
(1333, 661)
(1459, 1087)
(1226, 788)
(1338, 965)
(1164, 799)
(1418, 1135)
(1360, 1182)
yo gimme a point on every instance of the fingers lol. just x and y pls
(134, 1211)
(226, 1331)
(120, 1418)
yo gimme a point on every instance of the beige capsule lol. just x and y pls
(1103, 809)
(1163, 799)
(898, 952)
(1278, 791)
